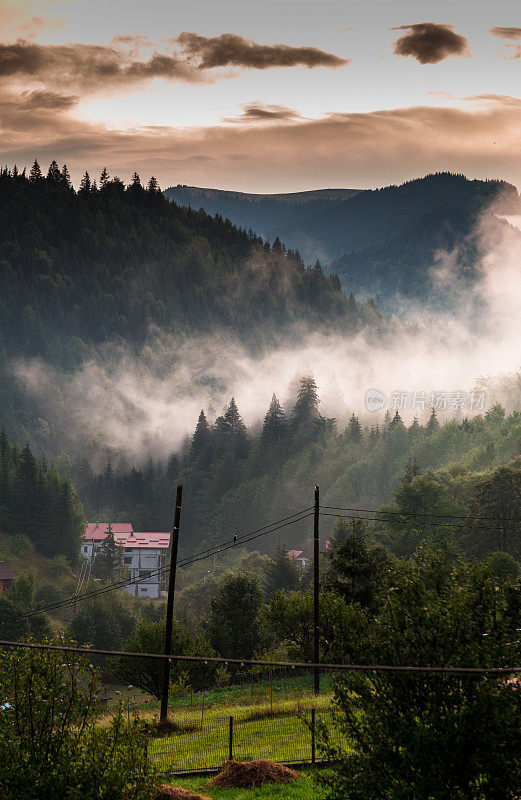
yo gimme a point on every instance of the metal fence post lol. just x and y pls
(312, 735)
(230, 740)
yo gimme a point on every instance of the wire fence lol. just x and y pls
(287, 736)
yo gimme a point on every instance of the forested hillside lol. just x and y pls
(383, 240)
(236, 480)
(108, 262)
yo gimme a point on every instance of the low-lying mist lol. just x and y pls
(147, 404)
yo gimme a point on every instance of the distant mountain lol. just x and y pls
(376, 240)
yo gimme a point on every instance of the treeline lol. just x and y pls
(38, 502)
(237, 479)
(108, 261)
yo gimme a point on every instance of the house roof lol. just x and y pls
(125, 535)
(99, 530)
(6, 573)
(293, 554)
(153, 540)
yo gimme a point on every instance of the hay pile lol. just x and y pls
(177, 793)
(243, 774)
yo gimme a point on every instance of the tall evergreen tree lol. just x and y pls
(433, 424)
(231, 431)
(274, 426)
(36, 173)
(53, 173)
(354, 430)
(201, 444)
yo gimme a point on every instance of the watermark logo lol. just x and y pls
(375, 400)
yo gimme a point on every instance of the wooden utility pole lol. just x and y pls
(316, 576)
(170, 606)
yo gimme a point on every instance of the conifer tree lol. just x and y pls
(108, 563)
(172, 467)
(274, 426)
(200, 445)
(396, 420)
(433, 424)
(85, 185)
(412, 471)
(36, 173)
(66, 177)
(53, 173)
(153, 186)
(354, 430)
(104, 178)
(231, 431)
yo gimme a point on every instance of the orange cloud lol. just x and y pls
(355, 150)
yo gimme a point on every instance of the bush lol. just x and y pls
(51, 746)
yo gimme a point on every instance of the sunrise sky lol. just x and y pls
(282, 95)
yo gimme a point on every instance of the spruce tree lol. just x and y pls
(433, 424)
(108, 563)
(104, 178)
(53, 173)
(200, 446)
(231, 431)
(66, 177)
(85, 185)
(274, 426)
(36, 173)
(396, 420)
(354, 430)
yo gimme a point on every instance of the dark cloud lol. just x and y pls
(430, 42)
(258, 112)
(230, 50)
(506, 33)
(48, 101)
(87, 67)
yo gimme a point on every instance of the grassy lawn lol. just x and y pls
(305, 788)
(270, 721)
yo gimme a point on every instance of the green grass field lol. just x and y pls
(270, 721)
(306, 788)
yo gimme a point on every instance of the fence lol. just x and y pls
(288, 736)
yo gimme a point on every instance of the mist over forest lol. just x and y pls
(145, 343)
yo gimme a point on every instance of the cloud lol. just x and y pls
(87, 67)
(231, 50)
(357, 150)
(49, 101)
(430, 42)
(506, 33)
(259, 112)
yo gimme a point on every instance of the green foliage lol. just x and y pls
(233, 625)
(50, 744)
(146, 673)
(39, 502)
(282, 573)
(354, 567)
(108, 563)
(15, 603)
(104, 622)
(426, 735)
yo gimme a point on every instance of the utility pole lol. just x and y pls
(170, 606)
(316, 610)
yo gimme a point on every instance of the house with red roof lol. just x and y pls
(143, 553)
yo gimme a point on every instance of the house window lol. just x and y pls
(85, 549)
(127, 559)
(144, 573)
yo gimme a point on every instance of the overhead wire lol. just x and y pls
(117, 585)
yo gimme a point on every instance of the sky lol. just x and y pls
(284, 95)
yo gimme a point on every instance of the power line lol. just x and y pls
(411, 522)
(264, 663)
(414, 514)
(160, 570)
